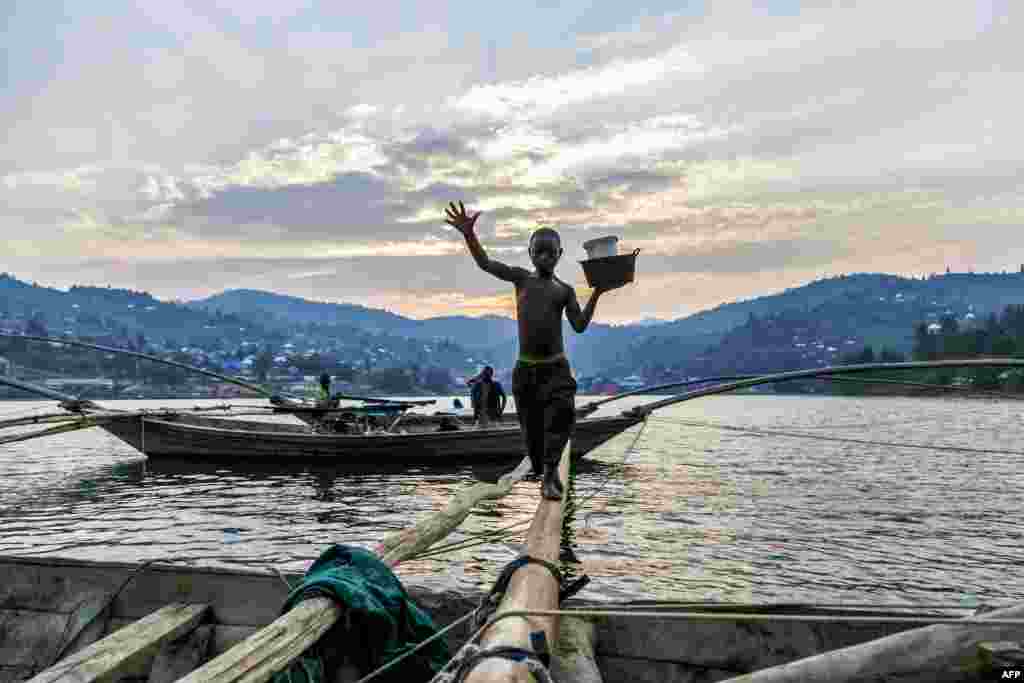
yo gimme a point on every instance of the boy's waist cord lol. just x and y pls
(528, 360)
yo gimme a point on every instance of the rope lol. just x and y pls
(471, 654)
(827, 371)
(810, 605)
(608, 474)
(818, 437)
(66, 642)
(283, 578)
(739, 616)
(484, 537)
(379, 670)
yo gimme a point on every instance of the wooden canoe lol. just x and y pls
(185, 435)
(44, 601)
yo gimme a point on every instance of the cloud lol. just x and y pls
(293, 152)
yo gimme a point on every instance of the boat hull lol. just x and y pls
(188, 436)
(41, 596)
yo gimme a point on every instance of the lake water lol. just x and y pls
(691, 513)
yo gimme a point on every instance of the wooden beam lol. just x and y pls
(275, 646)
(105, 658)
(531, 587)
(414, 540)
(940, 649)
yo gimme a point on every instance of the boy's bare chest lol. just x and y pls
(539, 295)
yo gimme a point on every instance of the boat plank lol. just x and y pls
(123, 648)
(29, 638)
(187, 436)
(178, 657)
(733, 645)
(641, 670)
(15, 673)
(58, 585)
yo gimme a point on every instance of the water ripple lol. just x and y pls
(693, 513)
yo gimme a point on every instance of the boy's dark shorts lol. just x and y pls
(545, 396)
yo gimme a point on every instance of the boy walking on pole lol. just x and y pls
(542, 381)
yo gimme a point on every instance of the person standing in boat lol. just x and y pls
(542, 381)
(488, 398)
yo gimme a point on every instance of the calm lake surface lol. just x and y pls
(691, 513)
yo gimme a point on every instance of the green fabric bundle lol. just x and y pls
(381, 622)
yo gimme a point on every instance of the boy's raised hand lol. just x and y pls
(459, 219)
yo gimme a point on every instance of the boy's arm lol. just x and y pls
(579, 320)
(461, 221)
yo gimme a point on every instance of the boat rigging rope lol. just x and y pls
(840, 439)
(66, 641)
(740, 616)
(381, 669)
(500, 534)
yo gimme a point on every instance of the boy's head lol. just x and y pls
(545, 250)
(488, 372)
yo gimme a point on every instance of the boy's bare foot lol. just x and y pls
(551, 487)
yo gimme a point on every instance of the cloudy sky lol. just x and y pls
(293, 146)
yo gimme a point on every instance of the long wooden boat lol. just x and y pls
(185, 435)
(53, 605)
(54, 614)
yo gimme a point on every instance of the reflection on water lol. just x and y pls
(692, 513)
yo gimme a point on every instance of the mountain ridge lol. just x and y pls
(868, 308)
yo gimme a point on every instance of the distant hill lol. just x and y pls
(113, 312)
(120, 316)
(280, 309)
(495, 334)
(866, 309)
(845, 312)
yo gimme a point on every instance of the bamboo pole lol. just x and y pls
(830, 371)
(74, 425)
(275, 646)
(38, 419)
(36, 389)
(933, 652)
(531, 587)
(594, 405)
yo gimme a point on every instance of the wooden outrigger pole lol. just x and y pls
(825, 372)
(531, 587)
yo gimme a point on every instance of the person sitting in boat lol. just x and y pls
(324, 394)
(542, 380)
(488, 397)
